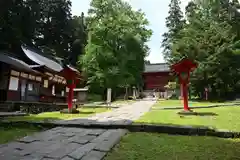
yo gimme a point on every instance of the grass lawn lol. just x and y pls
(226, 117)
(178, 103)
(11, 133)
(47, 116)
(144, 146)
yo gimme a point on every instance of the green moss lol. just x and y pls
(11, 133)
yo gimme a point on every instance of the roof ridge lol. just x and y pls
(38, 51)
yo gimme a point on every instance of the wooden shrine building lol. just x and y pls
(156, 76)
(33, 77)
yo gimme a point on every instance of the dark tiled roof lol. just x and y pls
(73, 68)
(42, 60)
(18, 64)
(158, 67)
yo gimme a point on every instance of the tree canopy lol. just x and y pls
(116, 48)
(46, 24)
(210, 36)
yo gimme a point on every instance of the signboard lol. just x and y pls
(25, 75)
(56, 78)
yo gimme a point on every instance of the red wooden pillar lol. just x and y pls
(183, 69)
(71, 76)
(181, 91)
(70, 97)
(185, 96)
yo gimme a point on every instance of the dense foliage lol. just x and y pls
(210, 36)
(46, 24)
(116, 46)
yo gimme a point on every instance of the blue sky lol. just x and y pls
(156, 11)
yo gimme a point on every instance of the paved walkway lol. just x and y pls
(11, 114)
(123, 115)
(62, 143)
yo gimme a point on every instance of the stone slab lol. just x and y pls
(94, 155)
(81, 139)
(103, 136)
(33, 156)
(34, 146)
(8, 157)
(28, 139)
(111, 141)
(64, 150)
(51, 148)
(96, 132)
(58, 138)
(67, 158)
(82, 151)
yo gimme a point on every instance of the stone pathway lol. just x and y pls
(123, 115)
(62, 143)
(11, 114)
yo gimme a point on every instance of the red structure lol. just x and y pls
(72, 76)
(156, 76)
(183, 69)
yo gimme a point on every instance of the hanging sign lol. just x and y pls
(56, 78)
(25, 75)
(15, 73)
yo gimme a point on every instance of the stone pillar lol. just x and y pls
(109, 96)
(134, 93)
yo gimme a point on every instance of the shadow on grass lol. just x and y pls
(29, 118)
(98, 107)
(136, 127)
(197, 114)
(80, 112)
(197, 107)
(86, 106)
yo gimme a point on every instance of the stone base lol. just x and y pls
(66, 111)
(187, 112)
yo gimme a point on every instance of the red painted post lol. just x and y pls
(183, 69)
(181, 90)
(70, 97)
(185, 96)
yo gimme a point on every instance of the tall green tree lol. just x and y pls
(116, 48)
(54, 26)
(18, 23)
(42, 23)
(209, 38)
(78, 38)
(174, 23)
